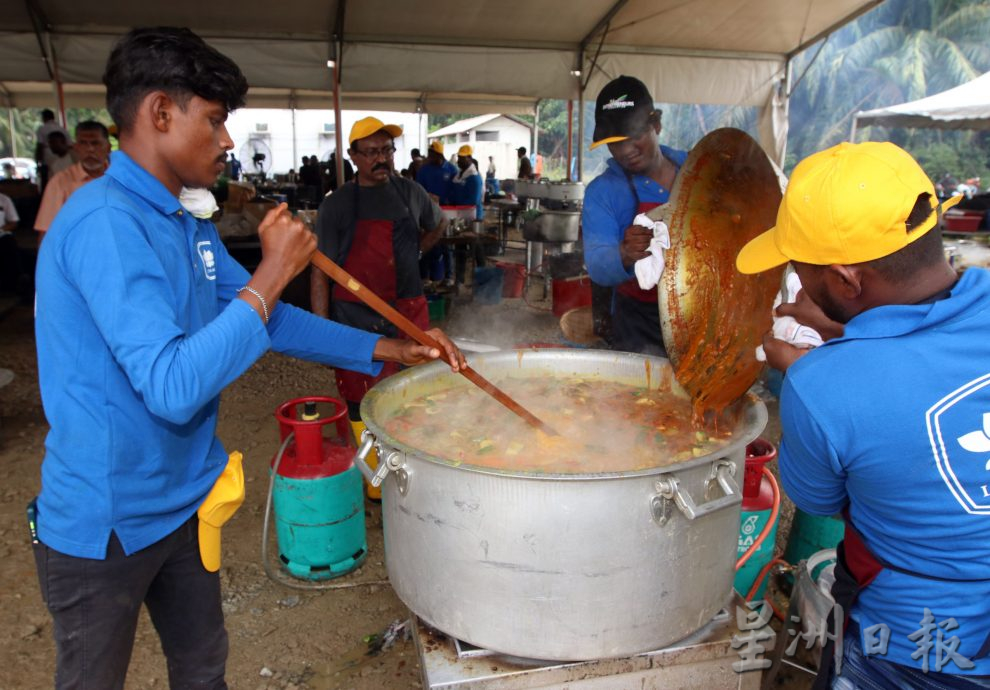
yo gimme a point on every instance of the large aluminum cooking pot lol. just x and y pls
(529, 189)
(560, 567)
(553, 226)
(565, 191)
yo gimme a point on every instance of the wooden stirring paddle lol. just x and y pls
(349, 283)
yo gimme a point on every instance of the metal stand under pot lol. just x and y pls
(712, 657)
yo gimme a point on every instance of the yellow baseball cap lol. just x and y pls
(367, 126)
(220, 505)
(437, 145)
(465, 151)
(845, 205)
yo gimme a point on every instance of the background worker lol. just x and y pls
(469, 190)
(376, 227)
(888, 422)
(436, 175)
(143, 319)
(42, 153)
(92, 149)
(60, 149)
(13, 279)
(525, 171)
(639, 177)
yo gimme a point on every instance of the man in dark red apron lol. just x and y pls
(639, 177)
(889, 422)
(376, 227)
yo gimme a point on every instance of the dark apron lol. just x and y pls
(635, 323)
(394, 276)
(856, 567)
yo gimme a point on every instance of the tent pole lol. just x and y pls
(852, 132)
(338, 56)
(338, 136)
(580, 141)
(570, 134)
(295, 152)
(536, 135)
(10, 128)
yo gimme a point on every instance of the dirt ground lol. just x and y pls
(280, 637)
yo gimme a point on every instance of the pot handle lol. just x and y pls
(669, 490)
(375, 478)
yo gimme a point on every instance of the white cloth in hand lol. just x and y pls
(649, 270)
(787, 328)
(199, 202)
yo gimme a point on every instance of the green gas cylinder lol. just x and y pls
(317, 492)
(757, 506)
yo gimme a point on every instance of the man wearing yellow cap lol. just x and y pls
(436, 175)
(469, 189)
(889, 423)
(639, 177)
(376, 226)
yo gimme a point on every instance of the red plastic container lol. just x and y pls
(571, 293)
(963, 220)
(514, 280)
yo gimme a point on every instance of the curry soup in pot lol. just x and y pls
(604, 426)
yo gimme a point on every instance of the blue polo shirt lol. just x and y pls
(438, 180)
(470, 191)
(893, 420)
(138, 330)
(608, 209)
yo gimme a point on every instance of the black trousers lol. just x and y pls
(636, 327)
(95, 604)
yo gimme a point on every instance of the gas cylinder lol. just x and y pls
(757, 505)
(317, 491)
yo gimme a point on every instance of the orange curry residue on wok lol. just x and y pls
(604, 426)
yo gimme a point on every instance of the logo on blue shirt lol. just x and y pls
(959, 431)
(205, 250)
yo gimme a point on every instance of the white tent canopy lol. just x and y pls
(440, 55)
(964, 107)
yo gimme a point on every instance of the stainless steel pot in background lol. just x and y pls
(560, 567)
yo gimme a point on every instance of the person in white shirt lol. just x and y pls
(12, 276)
(43, 155)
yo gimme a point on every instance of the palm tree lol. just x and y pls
(902, 50)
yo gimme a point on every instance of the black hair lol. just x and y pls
(414, 153)
(93, 126)
(47, 115)
(57, 135)
(926, 251)
(172, 60)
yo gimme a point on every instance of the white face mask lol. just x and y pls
(199, 202)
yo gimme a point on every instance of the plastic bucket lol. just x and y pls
(514, 279)
(811, 534)
(570, 293)
(437, 305)
(488, 285)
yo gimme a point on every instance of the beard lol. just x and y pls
(831, 308)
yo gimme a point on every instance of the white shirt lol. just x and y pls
(47, 128)
(9, 213)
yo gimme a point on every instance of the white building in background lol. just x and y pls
(489, 135)
(285, 136)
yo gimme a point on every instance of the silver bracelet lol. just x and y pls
(264, 304)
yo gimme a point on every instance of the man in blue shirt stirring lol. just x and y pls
(888, 422)
(143, 319)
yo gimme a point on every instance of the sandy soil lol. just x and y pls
(280, 637)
